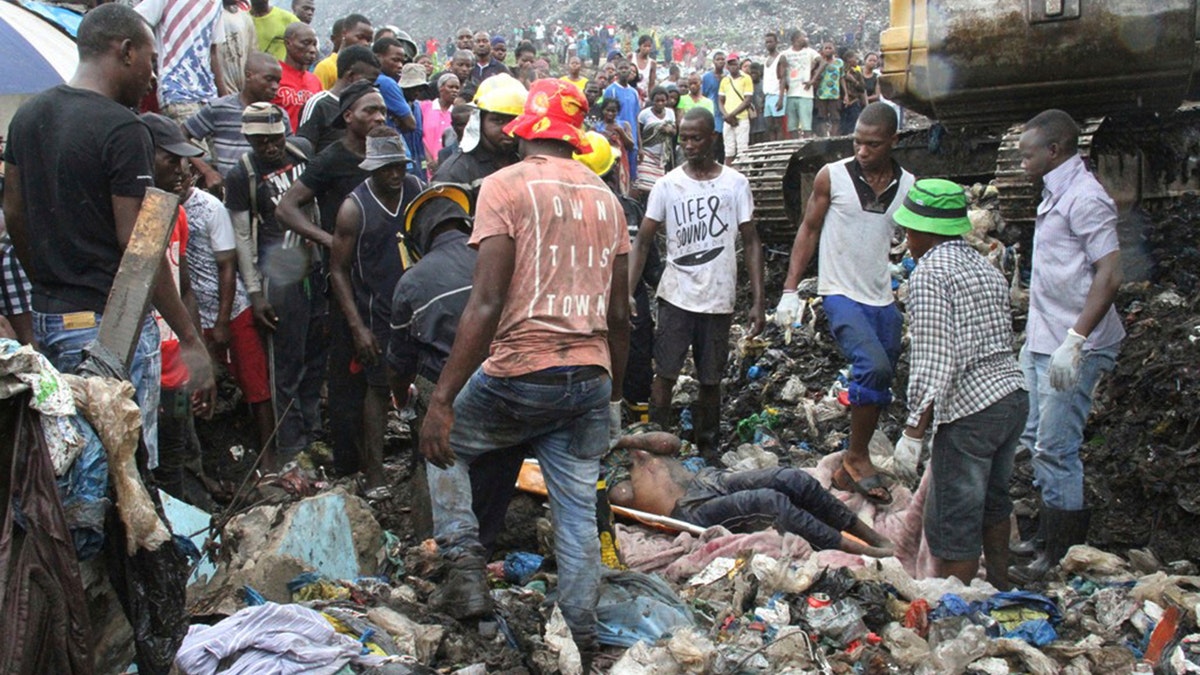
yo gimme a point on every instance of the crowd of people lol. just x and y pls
(483, 242)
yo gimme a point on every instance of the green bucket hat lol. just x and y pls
(936, 206)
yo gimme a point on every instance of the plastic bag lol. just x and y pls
(634, 606)
(558, 638)
(841, 621)
(109, 406)
(84, 493)
(908, 648)
(152, 588)
(693, 651)
(951, 657)
(1035, 661)
(1092, 563)
(642, 659)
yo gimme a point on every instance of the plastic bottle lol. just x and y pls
(1143, 667)
(840, 621)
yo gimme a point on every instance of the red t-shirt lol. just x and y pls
(174, 372)
(295, 88)
(568, 227)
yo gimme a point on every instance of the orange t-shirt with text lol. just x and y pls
(567, 227)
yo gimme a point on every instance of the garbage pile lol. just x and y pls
(719, 602)
(738, 25)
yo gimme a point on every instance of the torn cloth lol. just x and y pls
(271, 639)
(23, 369)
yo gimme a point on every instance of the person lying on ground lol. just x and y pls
(743, 501)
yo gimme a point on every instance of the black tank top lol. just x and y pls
(380, 253)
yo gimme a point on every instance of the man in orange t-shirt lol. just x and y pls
(548, 319)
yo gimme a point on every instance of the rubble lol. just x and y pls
(333, 534)
(1132, 597)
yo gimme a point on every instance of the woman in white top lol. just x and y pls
(658, 131)
(647, 67)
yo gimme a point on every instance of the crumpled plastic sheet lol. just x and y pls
(22, 368)
(109, 406)
(558, 638)
(1092, 563)
(84, 493)
(411, 638)
(637, 607)
(1034, 660)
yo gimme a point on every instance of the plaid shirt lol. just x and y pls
(960, 326)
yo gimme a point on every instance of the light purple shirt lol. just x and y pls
(1076, 226)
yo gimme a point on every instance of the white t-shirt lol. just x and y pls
(799, 71)
(210, 232)
(700, 220)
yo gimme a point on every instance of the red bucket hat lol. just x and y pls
(554, 110)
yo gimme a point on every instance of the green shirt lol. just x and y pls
(270, 30)
(686, 103)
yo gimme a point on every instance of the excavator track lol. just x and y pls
(1019, 196)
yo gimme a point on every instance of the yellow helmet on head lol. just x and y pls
(601, 158)
(502, 94)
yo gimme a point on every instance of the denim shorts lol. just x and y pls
(972, 463)
(706, 334)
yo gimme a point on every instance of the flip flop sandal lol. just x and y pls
(843, 481)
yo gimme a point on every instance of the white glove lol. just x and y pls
(1064, 362)
(614, 420)
(788, 309)
(906, 456)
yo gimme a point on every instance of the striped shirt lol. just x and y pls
(960, 326)
(220, 123)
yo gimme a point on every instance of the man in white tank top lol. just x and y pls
(774, 113)
(850, 215)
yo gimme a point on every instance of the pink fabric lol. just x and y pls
(434, 121)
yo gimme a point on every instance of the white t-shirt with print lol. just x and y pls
(210, 232)
(700, 220)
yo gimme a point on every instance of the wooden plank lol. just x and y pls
(129, 298)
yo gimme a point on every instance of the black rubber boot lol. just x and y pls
(465, 593)
(707, 420)
(1035, 544)
(661, 417)
(1062, 530)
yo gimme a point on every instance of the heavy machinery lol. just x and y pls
(980, 68)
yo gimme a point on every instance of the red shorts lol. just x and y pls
(246, 358)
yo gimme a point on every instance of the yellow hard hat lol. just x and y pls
(601, 158)
(502, 94)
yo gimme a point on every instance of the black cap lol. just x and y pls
(168, 136)
(349, 97)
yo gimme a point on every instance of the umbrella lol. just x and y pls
(46, 57)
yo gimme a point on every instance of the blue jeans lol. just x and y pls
(744, 501)
(64, 348)
(869, 337)
(566, 425)
(1054, 430)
